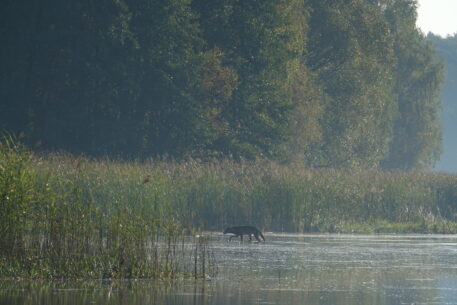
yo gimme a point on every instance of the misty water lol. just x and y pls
(287, 269)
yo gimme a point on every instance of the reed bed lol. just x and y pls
(283, 198)
(65, 216)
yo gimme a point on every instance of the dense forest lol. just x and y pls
(447, 49)
(328, 83)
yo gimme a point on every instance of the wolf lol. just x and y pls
(244, 230)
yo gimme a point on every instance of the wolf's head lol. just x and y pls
(228, 230)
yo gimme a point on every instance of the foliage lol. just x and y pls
(336, 84)
(354, 67)
(416, 141)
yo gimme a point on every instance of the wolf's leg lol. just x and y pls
(256, 235)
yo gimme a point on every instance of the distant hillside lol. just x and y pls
(447, 48)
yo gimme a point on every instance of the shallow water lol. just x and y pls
(287, 269)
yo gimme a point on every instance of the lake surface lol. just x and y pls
(287, 269)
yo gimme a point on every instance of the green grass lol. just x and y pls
(63, 216)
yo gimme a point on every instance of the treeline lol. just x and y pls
(331, 83)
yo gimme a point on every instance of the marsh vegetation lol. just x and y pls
(64, 216)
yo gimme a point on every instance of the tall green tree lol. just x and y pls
(350, 50)
(258, 45)
(168, 63)
(416, 141)
(62, 79)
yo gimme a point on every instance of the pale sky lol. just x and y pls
(437, 16)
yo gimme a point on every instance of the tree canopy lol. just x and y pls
(328, 83)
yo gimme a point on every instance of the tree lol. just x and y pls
(416, 141)
(62, 82)
(350, 50)
(258, 46)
